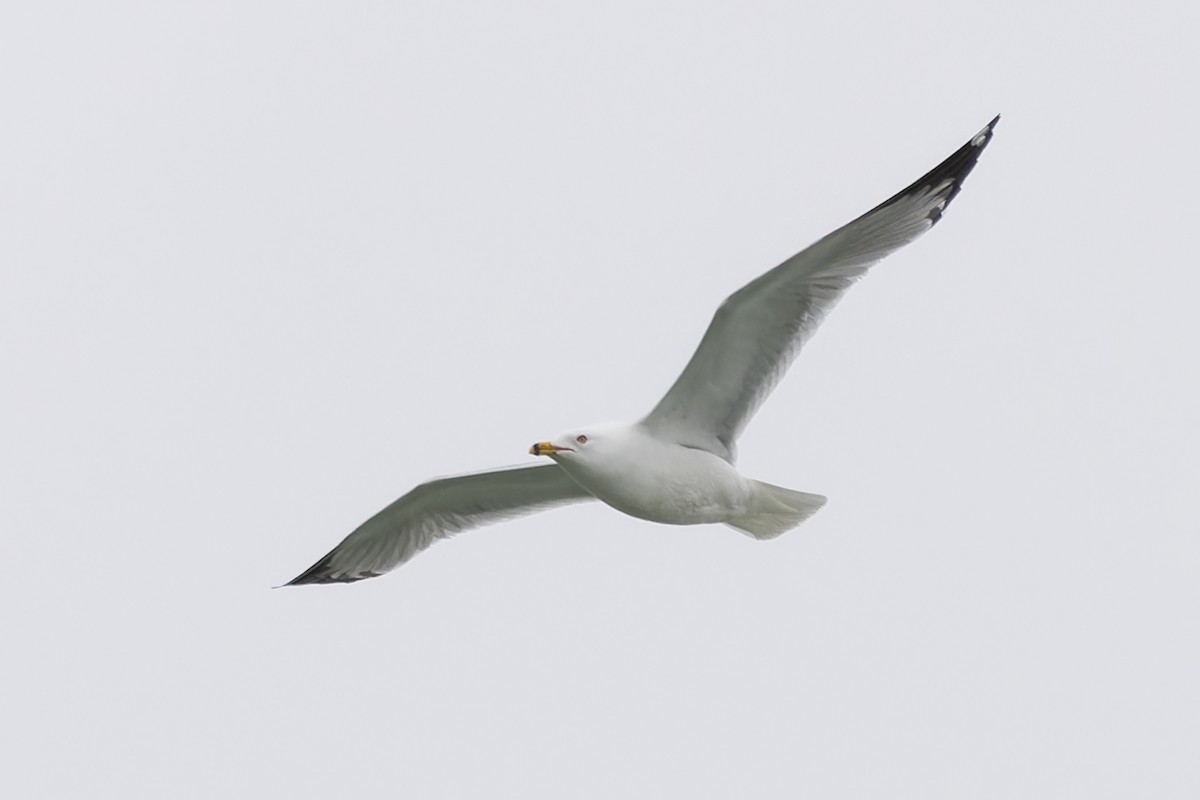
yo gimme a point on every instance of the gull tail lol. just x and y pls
(774, 510)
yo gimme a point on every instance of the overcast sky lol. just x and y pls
(265, 266)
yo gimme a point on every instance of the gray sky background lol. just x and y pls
(268, 265)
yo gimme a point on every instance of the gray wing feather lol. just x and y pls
(438, 509)
(759, 329)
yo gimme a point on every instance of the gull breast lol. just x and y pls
(668, 483)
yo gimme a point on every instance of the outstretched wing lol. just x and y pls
(438, 509)
(758, 331)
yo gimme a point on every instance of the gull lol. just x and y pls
(677, 464)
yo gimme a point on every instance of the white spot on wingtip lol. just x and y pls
(981, 137)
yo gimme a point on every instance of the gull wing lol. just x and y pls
(438, 509)
(759, 329)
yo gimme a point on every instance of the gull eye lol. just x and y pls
(581, 439)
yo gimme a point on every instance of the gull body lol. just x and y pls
(677, 464)
(645, 477)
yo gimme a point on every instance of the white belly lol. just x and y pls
(665, 483)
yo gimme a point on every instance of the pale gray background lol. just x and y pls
(268, 265)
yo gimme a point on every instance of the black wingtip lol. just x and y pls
(954, 169)
(323, 572)
(317, 573)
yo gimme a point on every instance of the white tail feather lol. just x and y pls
(775, 510)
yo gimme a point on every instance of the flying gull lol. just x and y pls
(676, 465)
